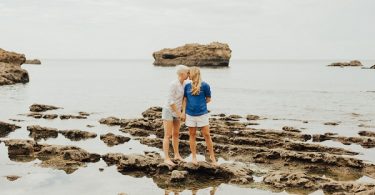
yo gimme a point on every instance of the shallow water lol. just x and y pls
(289, 91)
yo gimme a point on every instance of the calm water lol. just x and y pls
(288, 90)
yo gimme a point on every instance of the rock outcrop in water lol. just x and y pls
(214, 54)
(67, 158)
(6, 128)
(33, 61)
(10, 68)
(42, 107)
(344, 64)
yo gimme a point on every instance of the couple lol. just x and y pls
(187, 101)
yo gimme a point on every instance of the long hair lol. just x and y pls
(196, 80)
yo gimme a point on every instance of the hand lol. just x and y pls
(183, 117)
(178, 114)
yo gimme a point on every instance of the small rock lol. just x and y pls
(331, 123)
(33, 61)
(42, 108)
(111, 139)
(111, 121)
(6, 128)
(291, 129)
(252, 117)
(83, 113)
(77, 135)
(50, 116)
(12, 177)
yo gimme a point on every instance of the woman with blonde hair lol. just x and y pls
(171, 113)
(196, 96)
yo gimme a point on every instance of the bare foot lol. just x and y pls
(194, 161)
(178, 157)
(169, 162)
(213, 161)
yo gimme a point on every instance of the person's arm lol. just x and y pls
(171, 102)
(207, 92)
(183, 114)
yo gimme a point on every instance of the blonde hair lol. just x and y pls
(196, 80)
(181, 69)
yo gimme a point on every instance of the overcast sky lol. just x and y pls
(124, 29)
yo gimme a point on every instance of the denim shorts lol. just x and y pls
(167, 115)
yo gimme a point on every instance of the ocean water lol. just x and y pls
(286, 90)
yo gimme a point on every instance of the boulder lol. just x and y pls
(214, 54)
(10, 68)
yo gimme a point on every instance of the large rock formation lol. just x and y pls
(343, 64)
(213, 54)
(10, 68)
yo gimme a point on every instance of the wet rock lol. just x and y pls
(178, 176)
(6, 128)
(111, 139)
(90, 126)
(77, 135)
(213, 54)
(136, 132)
(50, 116)
(111, 121)
(344, 64)
(12, 177)
(37, 132)
(84, 114)
(18, 147)
(42, 107)
(33, 61)
(291, 129)
(35, 115)
(366, 142)
(366, 126)
(293, 180)
(152, 165)
(69, 116)
(367, 133)
(67, 158)
(153, 112)
(331, 123)
(252, 117)
(16, 120)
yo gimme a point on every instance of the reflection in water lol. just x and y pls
(193, 191)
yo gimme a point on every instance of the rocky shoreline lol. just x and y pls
(286, 159)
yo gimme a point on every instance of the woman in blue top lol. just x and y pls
(196, 96)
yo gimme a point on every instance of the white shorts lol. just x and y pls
(196, 121)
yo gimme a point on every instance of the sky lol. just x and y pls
(133, 29)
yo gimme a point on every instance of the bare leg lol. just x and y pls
(207, 138)
(168, 127)
(193, 146)
(176, 139)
